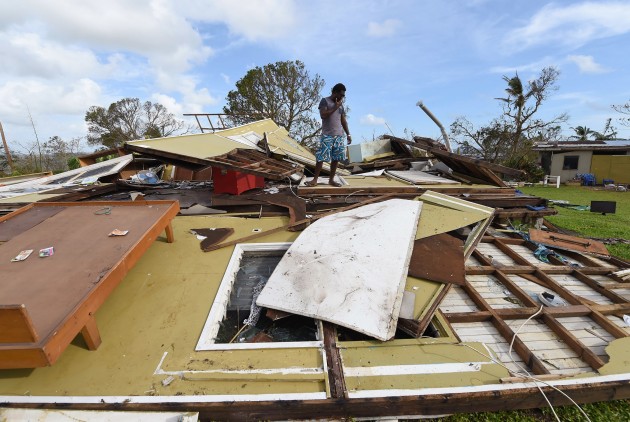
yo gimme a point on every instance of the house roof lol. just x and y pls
(608, 145)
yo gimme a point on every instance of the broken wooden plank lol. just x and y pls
(438, 258)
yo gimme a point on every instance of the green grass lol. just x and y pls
(583, 223)
(586, 223)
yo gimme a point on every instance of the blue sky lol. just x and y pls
(60, 58)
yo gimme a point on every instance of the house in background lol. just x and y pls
(608, 160)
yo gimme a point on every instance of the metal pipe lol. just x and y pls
(437, 122)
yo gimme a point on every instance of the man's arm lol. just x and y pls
(325, 113)
(344, 124)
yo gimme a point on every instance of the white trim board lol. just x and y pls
(219, 306)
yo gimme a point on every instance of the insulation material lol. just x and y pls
(349, 268)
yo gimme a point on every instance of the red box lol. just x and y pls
(235, 182)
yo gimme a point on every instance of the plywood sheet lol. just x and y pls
(439, 258)
(349, 268)
(442, 213)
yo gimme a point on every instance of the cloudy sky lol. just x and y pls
(59, 58)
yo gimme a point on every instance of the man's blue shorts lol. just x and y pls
(331, 148)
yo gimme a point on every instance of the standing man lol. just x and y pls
(332, 146)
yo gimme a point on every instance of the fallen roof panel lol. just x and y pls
(349, 268)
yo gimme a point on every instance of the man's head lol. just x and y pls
(338, 91)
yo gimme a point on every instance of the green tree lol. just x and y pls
(582, 133)
(284, 92)
(509, 138)
(127, 120)
(73, 163)
(520, 107)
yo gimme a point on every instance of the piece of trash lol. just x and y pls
(117, 232)
(168, 380)
(256, 230)
(549, 299)
(90, 180)
(46, 252)
(22, 255)
(272, 190)
(626, 319)
(134, 195)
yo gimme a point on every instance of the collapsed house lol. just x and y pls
(212, 282)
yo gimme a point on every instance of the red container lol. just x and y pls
(235, 182)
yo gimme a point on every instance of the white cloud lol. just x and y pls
(573, 25)
(372, 120)
(528, 67)
(254, 20)
(226, 78)
(27, 54)
(44, 97)
(587, 64)
(385, 29)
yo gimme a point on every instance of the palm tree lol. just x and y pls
(581, 133)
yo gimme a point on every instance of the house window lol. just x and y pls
(570, 162)
(235, 322)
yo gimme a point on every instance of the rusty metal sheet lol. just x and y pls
(438, 258)
(571, 243)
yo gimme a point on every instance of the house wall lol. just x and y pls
(584, 164)
(614, 167)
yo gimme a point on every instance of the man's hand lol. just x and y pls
(349, 139)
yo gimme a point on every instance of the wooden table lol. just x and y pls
(46, 302)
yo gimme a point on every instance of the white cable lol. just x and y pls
(516, 373)
(356, 191)
(526, 374)
(525, 370)
(291, 189)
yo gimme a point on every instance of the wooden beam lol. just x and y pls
(441, 153)
(576, 345)
(371, 407)
(506, 332)
(91, 334)
(336, 380)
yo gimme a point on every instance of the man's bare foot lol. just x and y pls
(334, 183)
(310, 183)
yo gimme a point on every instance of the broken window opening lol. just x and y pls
(236, 322)
(233, 322)
(245, 322)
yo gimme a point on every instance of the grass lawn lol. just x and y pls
(588, 224)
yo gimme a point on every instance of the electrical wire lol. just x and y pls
(526, 374)
(291, 189)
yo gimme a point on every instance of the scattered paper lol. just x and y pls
(117, 232)
(626, 318)
(43, 253)
(22, 255)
